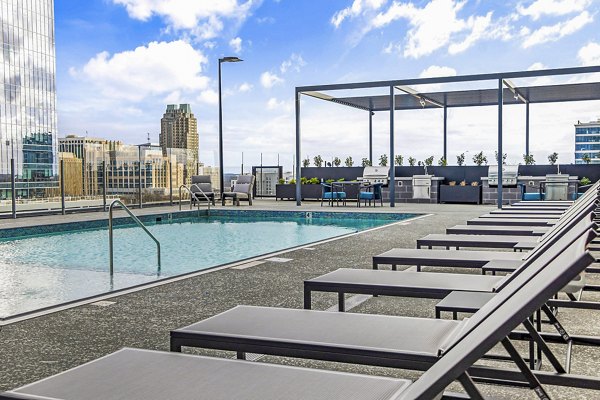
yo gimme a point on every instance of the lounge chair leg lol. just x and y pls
(341, 302)
(469, 386)
(175, 347)
(241, 355)
(307, 299)
(534, 383)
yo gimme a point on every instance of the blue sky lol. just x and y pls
(119, 62)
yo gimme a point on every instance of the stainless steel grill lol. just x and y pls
(509, 175)
(372, 175)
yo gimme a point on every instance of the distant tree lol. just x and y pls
(366, 162)
(318, 160)
(349, 161)
(429, 161)
(479, 159)
(412, 161)
(421, 164)
(383, 160)
(586, 158)
(504, 156)
(442, 162)
(337, 161)
(306, 162)
(553, 158)
(399, 160)
(460, 160)
(528, 158)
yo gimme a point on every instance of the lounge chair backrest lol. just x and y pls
(510, 308)
(203, 182)
(244, 184)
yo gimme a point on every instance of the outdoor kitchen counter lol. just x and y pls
(513, 193)
(404, 190)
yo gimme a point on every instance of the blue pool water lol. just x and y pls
(42, 271)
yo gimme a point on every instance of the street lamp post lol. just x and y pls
(221, 180)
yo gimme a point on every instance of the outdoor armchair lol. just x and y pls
(331, 192)
(242, 190)
(202, 189)
(370, 193)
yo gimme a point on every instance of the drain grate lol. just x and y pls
(248, 265)
(103, 303)
(279, 259)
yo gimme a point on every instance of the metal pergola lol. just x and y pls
(506, 93)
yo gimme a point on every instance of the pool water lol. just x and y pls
(42, 271)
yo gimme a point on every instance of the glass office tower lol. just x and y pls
(587, 142)
(28, 98)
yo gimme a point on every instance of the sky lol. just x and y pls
(120, 62)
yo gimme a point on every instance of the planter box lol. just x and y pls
(460, 194)
(288, 191)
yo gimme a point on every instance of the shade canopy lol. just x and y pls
(469, 98)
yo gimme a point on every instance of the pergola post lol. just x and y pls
(446, 133)
(298, 154)
(527, 128)
(392, 184)
(500, 101)
(371, 136)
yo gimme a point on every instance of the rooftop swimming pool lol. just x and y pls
(46, 266)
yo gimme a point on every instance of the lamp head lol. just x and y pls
(230, 59)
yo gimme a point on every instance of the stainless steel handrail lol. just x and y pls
(192, 194)
(137, 221)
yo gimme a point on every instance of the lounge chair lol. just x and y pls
(546, 213)
(136, 374)
(485, 241)
(242, 190)
(497, 230)
(202, 189)
(506, 221)
(476, 259)
(402, 342)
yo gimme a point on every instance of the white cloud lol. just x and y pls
(536, 66)
(236, 44)
(479, 29)
(245, 87)
(392, 48)
(589, 54)
(203, 19)
(268, 80)
(275, 104)
(295, 62)
(551, 33)
(210, 45)
(540, 8)
(436, 71)
(438, 25)
(209, 97)
(160, 68)
(356, 9)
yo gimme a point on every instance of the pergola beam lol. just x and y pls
(422, 98)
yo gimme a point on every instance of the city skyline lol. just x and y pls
(287, 44)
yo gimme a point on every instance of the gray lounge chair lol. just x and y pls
(484, 241)
(509, 211)
(134, 374)
(497, 230)
(476, 259)
(201, 189)
(513, 221)
(242, 190)
(402, 342)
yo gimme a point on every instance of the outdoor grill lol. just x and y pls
(372, 175)
(509, 175)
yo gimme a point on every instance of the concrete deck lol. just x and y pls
(35, 348)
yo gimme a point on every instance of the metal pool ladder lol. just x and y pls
(137, 221)
(188, 188)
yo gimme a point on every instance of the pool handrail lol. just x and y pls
(193, 194)
(110, 232)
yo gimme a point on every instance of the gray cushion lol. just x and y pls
(201, 179)
(241, 188)
(205, 187)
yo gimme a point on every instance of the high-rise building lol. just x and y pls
(28, 99)
(587, 142)
(179, 130)
(93, 153)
